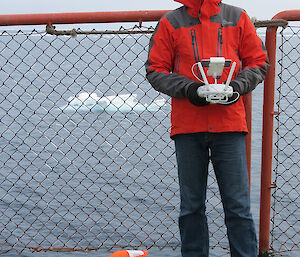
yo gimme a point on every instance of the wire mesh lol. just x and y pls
(86, 161)
(285, 230)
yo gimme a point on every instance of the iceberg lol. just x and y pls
(114, 103)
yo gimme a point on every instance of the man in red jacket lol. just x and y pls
(203, 131)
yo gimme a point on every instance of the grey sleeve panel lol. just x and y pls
(172, 84)
(248, 79)
(179, 18)
(228, 16)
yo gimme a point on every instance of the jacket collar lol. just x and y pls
(203, 7)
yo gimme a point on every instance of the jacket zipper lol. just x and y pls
(176, 67)
(195, 48)
(220, 41)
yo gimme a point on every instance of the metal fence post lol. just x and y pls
(267, 143)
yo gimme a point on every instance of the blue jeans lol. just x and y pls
(227, 152)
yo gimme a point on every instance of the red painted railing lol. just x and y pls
(72, 18)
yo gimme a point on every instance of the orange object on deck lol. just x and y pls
(129, 253)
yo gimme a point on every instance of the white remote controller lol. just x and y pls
(216, 93)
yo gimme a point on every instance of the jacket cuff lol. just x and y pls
(190, 83)
(236, 87)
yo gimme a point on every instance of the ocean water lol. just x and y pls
(85, 150)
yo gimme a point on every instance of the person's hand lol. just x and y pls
(235, 96)
(193, 96)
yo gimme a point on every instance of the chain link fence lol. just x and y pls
(86, 161)
(285, 223)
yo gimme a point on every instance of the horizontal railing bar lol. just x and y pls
(289, 15)
(85, 17)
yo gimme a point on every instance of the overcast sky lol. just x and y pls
(261, 9)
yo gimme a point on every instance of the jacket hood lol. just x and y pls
(205, 7)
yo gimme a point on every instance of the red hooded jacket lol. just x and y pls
(199, 30)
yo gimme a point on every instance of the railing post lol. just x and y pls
(248, 108)
(267, 143)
